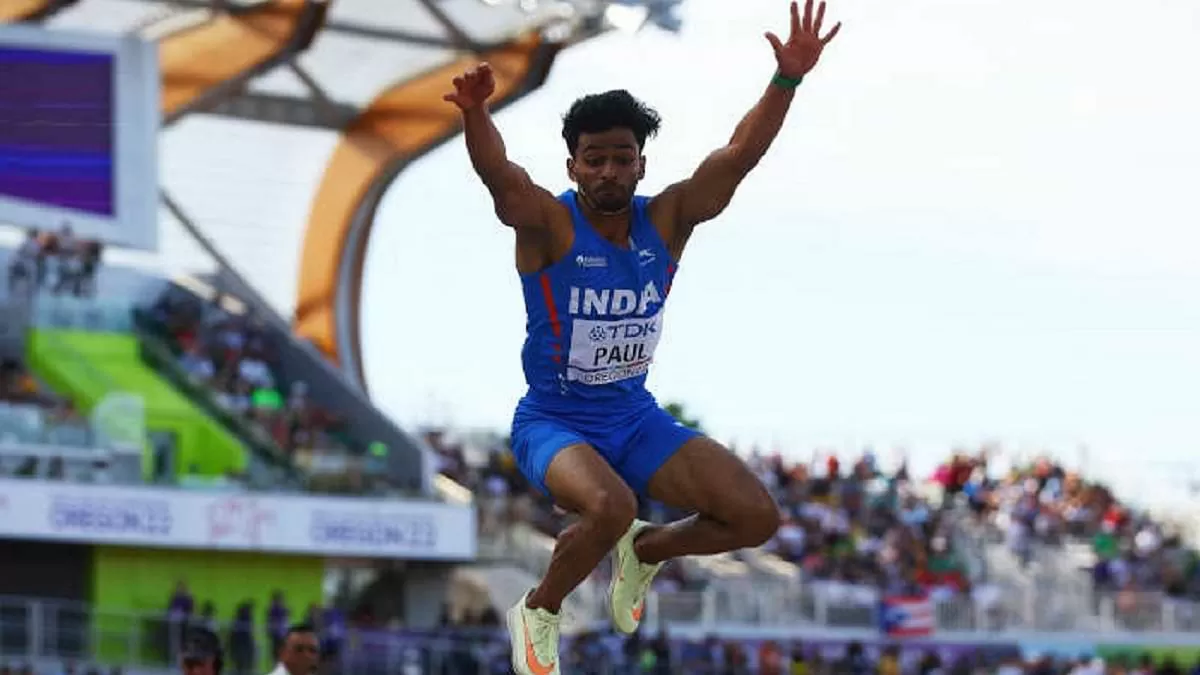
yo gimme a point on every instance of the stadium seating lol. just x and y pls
(85, 330)
(256, 381)
(957, 538)
(87, 367)
(79, 349)
(43, 436)
(1049, 527)
(849, 533)
(45, 431)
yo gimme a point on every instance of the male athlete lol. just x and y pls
(596, 265)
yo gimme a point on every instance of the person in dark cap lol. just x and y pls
(201, 653)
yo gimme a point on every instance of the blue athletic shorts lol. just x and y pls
(636, 442)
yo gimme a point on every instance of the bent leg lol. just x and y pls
(582, 482)
(733, 509)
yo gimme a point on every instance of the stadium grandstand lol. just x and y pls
(186, 438)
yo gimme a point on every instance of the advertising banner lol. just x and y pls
(328, 526)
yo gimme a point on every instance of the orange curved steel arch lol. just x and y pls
(400, 125)
(196, 61)
(12, 11)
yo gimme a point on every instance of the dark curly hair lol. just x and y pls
(616, 109)
(200, 644)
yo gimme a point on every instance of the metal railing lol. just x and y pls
(812, 607)
(34, 630)
(750, 601)
(41, 631)
(64, 312)
(35, 444)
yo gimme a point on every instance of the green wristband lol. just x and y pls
(781, 80)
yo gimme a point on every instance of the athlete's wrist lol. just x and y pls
(475, 110)
(784, 82)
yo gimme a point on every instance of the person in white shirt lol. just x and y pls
(300, 653)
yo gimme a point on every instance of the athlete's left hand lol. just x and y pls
(799, 54)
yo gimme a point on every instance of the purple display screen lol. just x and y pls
(56, 129)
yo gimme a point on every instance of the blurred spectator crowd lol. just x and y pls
(32, 417)
(18, 386)
(58, 262)
(855, 532)
(232, 355)
(226, 352)
(218, 353)
(251, 640)
(1042, 506)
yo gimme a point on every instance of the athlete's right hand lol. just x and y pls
(472, 88)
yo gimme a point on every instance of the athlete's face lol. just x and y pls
(607, 167)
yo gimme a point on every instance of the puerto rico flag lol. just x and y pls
(906, 616)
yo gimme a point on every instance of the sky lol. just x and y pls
(975, 226)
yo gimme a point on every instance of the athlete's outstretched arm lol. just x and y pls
(710, 189)
(518, 200)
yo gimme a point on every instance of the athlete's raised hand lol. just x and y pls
(799, 54)
(473, 87)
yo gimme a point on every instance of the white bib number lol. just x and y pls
(610, 351)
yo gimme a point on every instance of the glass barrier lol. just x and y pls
(40, 443)
(70, 313)
(29, 424)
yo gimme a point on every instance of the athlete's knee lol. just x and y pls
(609, 510)
(758, 520)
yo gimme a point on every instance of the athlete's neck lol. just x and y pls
(614, 226)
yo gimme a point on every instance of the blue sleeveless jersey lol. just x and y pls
(594, 317)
